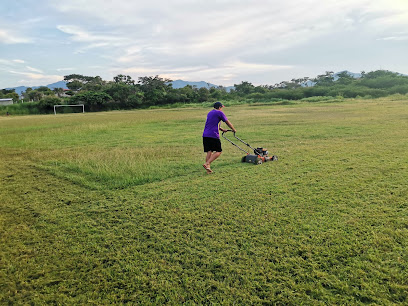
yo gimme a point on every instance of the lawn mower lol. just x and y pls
(260, 154)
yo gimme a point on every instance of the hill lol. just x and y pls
(180, 84)
(176, 84)
(20, 89)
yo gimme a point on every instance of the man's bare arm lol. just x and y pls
(231, 126)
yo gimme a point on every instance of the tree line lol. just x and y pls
(125, 93)
(9, 94)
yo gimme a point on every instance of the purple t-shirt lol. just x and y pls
(211, 125)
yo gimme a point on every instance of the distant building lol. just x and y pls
(6, 101)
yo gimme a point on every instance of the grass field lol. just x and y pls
(115, 208)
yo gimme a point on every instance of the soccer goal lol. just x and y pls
(80, 105)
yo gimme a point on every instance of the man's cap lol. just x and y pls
(218, 105)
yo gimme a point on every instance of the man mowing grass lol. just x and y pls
(211, 137)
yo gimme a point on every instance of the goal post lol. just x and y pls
(80, 105)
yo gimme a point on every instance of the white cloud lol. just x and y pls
(34, 69)
(394, 38)
(81, 35)
(218, 41)
(151, 30)
(137, 70)
(41, 78)
(93, 40)
(11, 62)
(8, 37)
(224, 74)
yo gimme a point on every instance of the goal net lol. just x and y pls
(69, 105)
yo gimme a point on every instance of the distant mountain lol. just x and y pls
(180, 84)
(60, 84)
(21, 89)
(176, 84)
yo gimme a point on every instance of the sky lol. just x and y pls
(222, 42)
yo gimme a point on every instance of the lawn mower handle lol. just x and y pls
(227, 131)
(245, 143)
(233, 142)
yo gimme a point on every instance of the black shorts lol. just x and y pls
(212, 144)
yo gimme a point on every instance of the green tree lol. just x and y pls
(26, 94)
(58, 91)
(218, 93)
(35, 95)
(45, 91)
(7, 91)
(295, 83)
(155, 89)
(203, 94)
(76, 82)
(92, 99)
(13, 95)
(75, 85)
(48, 102)
(190, 93)
(326, 79)
(383, 79)
(97, 84)
(120, 91)
(126, 79)
(262, 89)
(135, 100)
(379, 74)
(344, 78)
(245, 88)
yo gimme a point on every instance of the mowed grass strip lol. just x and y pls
(326, 224)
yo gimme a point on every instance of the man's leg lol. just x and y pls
(207, 158)
(211, 156)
